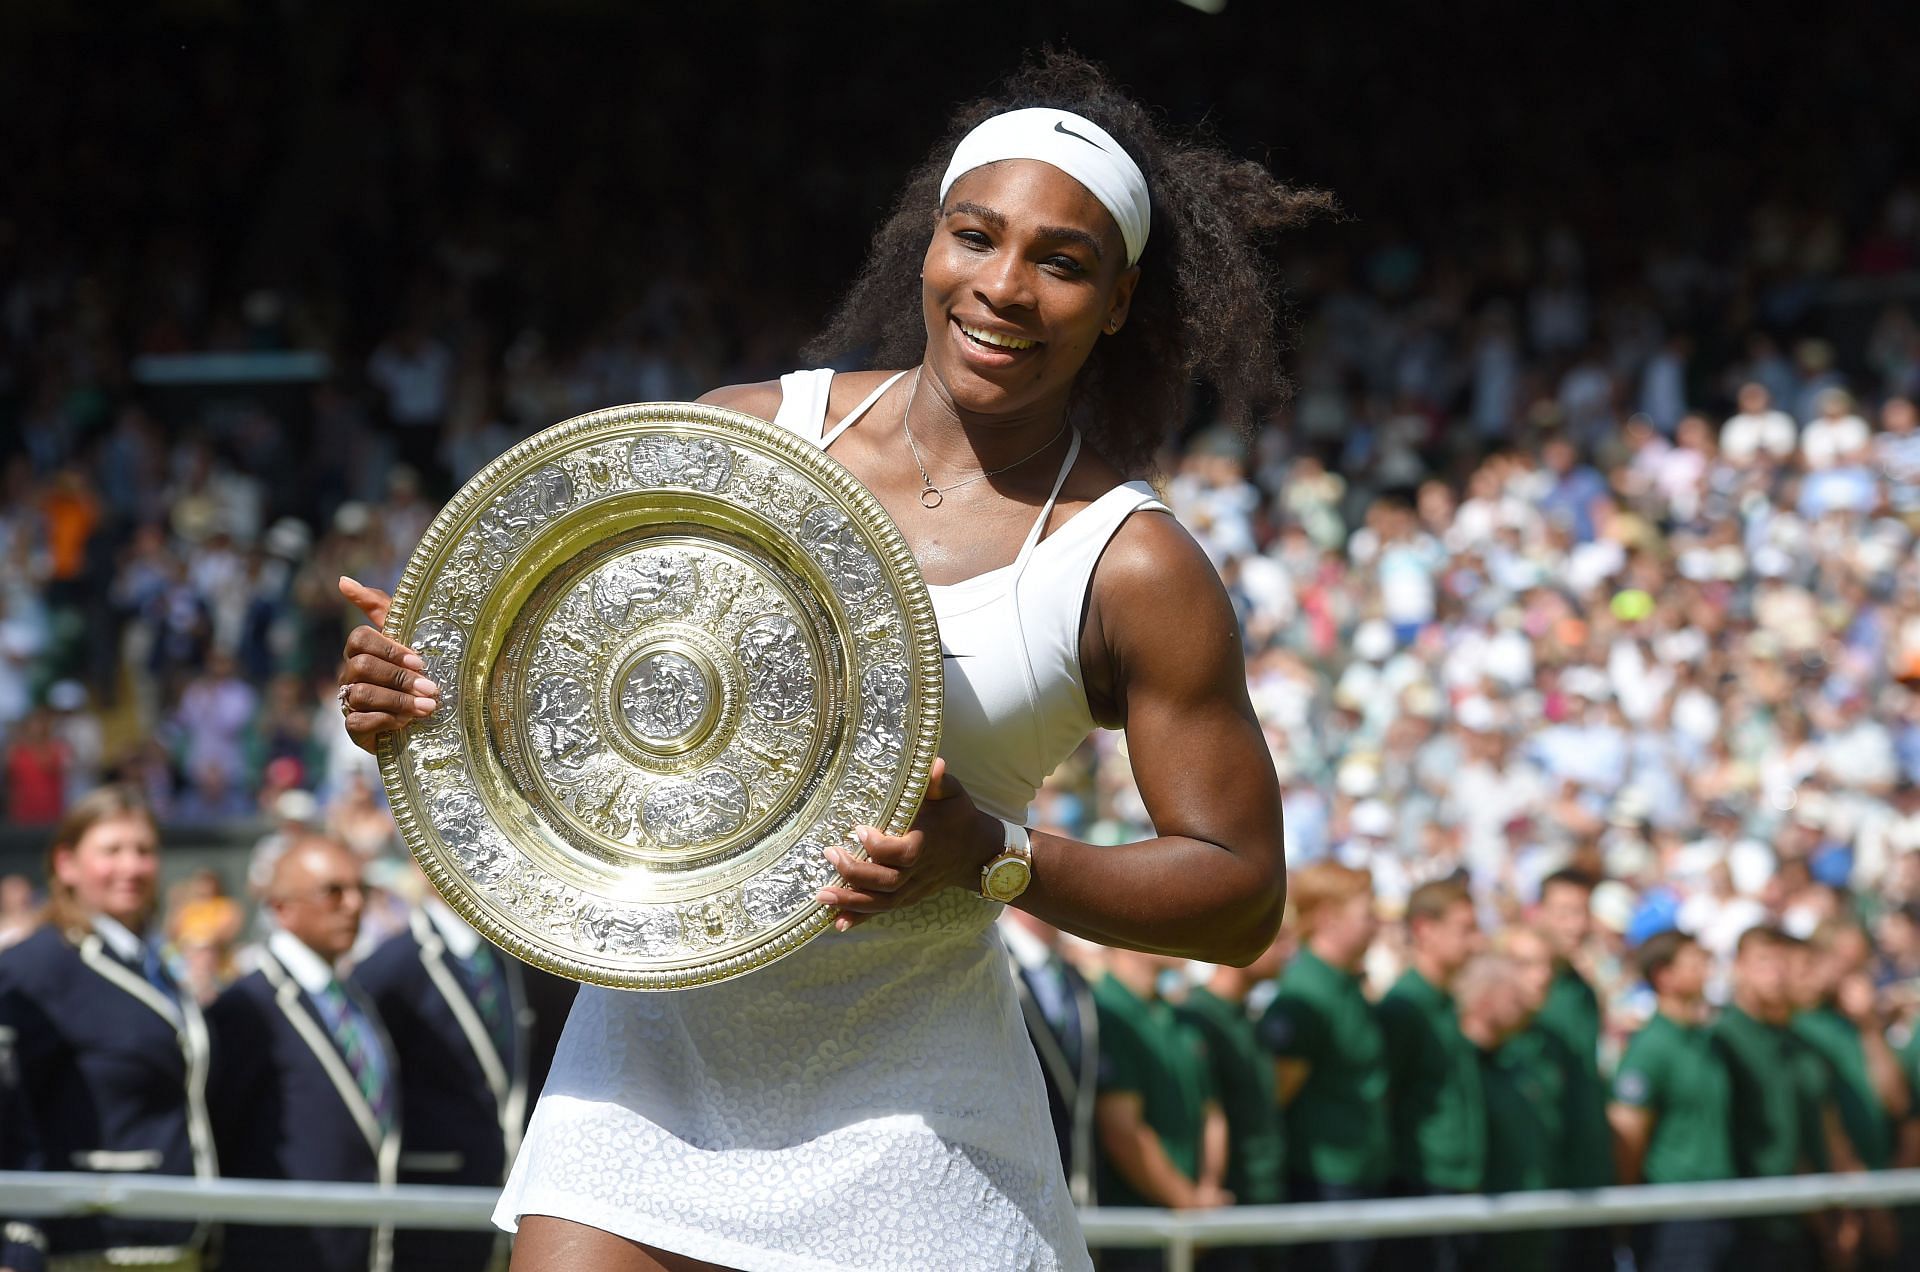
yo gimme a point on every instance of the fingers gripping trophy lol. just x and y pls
(741, 703)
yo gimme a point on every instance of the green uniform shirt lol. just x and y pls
(1436, 1106)
(1677, 1072)
(1571, 1014)
(1861, 1113)
(1144, 1049)
(1523, 1115)
(1777, 1109)
(1768, 1133)
(1336, 1127)
(1544, 1060)
(1243, 1083)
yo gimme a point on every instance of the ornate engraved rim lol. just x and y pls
(920, 635)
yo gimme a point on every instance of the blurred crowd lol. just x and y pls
(1580, 554)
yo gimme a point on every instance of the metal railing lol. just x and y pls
(42, 1194)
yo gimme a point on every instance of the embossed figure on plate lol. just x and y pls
(646, 585)
(698, 463)
(560, 722)
(683, 812)
(512, 518)
(831, 540)
(883, 715)
(663, 696)
(780, 679)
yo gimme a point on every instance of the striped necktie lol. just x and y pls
(358, 1046)
(489, 985)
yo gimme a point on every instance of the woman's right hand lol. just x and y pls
(385, 690)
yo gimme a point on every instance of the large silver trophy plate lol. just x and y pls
(681, 651)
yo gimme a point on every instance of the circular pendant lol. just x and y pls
(930, 498)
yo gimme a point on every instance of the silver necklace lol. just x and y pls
(932, 496)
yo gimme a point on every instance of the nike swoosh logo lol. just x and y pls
(946, 656)
(1062, 128)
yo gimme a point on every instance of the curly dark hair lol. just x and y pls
(1206, 306)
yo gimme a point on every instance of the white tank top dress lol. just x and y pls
(871, 1100)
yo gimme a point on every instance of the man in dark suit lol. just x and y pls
(1065, 1027)
(456, 1009)
(306, 1077)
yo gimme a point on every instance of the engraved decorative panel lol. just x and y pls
(681, 652)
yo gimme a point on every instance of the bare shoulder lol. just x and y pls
(850, 389)
(1152, 558)
(761, 400)
(1158, 616)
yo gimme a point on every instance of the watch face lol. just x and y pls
(1007, 878)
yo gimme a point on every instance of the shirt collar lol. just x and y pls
(126, 946)
(460, 938)
(1027, 949)
(308, 969)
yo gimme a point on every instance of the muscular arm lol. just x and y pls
(1162, 659)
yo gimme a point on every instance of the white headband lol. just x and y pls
(1078, 147)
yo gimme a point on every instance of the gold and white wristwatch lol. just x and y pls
(1007, 875)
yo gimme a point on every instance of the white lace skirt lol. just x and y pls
(870, 1102)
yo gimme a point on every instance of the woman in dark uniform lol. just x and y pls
(111, 1055)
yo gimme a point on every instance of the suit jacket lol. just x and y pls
(290, 1109)
(1069, 1052)
(23, 1245)
(464, 1103)
(115, 1075)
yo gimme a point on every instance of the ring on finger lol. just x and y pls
(341, 698)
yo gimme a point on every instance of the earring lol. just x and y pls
(1113, 326)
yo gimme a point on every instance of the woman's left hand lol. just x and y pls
(950, 840)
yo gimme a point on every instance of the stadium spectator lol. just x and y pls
(112, 1055)
(1064, 1024)
(306, 1072)
(1437, 1106)
(1782, 1125)
(1330, 1067)
(1163, 1137)
(1496, 999)
(456, 1011)
(1243, 1082)
(1672, 1110)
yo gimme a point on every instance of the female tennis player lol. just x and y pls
(1054, 278)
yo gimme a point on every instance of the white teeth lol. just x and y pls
(1003, 342)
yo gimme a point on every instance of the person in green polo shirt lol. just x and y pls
(1777, 1130)
(1162, 1136)
(1497, 997)
(1434, 1100)
(1841, 1022)
(1243, 1081)
(1569, 1024)
(1673, 1105)
(1330, 1071)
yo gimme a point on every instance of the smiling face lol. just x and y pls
(1026, 270)
(113, 869)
